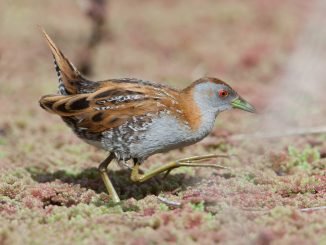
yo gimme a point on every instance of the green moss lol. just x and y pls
(302, 159)
(80, 212)
(3, 141)
(163, 207)
(3, 154)
(250, 177)
(297, 184)
(199, 207)
(280, 212)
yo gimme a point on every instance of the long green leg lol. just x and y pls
(107, 182)
(186, 162)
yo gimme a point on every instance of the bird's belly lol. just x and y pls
(165, 134)
(161, 134)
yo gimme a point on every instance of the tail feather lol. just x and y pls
(65, 105)
(68, 75)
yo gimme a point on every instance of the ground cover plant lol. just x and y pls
(50, 190)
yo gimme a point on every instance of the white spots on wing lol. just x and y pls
(159, 93)
(164, 93)
(103, 108)
(156, 97)
(121, 99)
(100, 102)
(158, 104)
(80, 120)
(179, 111)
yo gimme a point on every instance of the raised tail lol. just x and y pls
(68, 75)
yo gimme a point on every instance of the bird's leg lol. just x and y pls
(107, 182)
(186, 162)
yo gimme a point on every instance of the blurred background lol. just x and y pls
(272, 52)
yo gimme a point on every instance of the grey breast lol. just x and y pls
(144, 136)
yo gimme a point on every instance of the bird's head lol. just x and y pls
(215, 95)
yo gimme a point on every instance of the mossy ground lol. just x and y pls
(50, 190)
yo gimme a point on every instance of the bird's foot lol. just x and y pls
(195, 161)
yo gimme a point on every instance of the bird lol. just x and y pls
(133, 119)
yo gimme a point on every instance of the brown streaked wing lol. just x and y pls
(113, 105)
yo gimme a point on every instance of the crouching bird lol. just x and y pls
(134, 119)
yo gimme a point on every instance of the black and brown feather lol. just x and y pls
(111, 105)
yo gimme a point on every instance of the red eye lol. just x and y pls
(223, 93)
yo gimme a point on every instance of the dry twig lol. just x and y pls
(313, 209)
(169, 202)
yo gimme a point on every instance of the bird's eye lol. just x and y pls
(223, 93)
